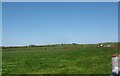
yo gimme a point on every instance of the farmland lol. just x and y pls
(58, 59)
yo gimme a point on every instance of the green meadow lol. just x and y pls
(58, 59)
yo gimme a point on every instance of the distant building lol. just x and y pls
(108, 45)
(101, 45)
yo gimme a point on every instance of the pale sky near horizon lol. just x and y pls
(60, 0)
(26, 23)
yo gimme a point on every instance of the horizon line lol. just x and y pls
(54, 44)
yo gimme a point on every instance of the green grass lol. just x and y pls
(61, 59)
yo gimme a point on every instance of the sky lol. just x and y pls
(42, 23)
(60, 0)
(0, 23)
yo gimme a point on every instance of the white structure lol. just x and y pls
(101, 45)
(108, 45)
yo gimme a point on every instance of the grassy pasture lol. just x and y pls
(60, 59)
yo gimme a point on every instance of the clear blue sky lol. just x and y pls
(54, 23)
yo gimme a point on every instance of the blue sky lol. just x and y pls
(0, 23)
(63, 22)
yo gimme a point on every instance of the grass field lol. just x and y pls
(60, 59)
